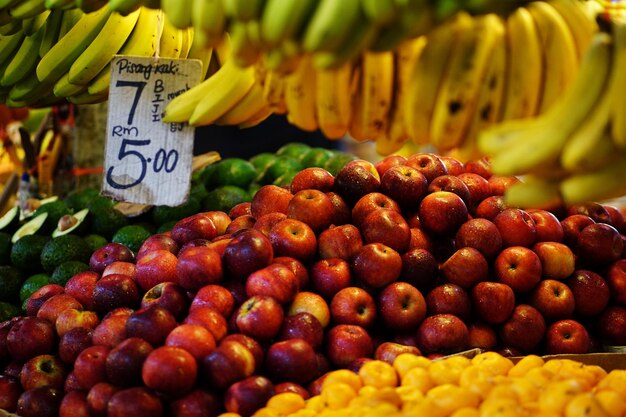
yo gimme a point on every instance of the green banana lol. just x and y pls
(30, 89)
(4, 4)
(51, 31)
(8, 45)
(11, 28)
(65, 88)
(63, 54)
(244, 10)
(27, 8)
(60, 4)
(285, 19)
(125, 7)
(380, 12)
(179, 12)
(24, 61)
(331, 24)
(543, 138)
(101, 50)
(88, 6)
(70, 18)
(244, 51)
(209, 21)
(32, 24)
(414, 19)
(535, 192)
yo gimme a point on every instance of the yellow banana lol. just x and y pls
(24, 61)
(99, 53)
(488, 110)
(187, 41)
(370, 115)
(209, 21)
(274, 92)
(65, 88)
(300, 87)
(559, 52)
(256, 119)
(524, 67)
(534, 192)
(51, 31)
(247, 108)
(427, 78)
(601, 184)
(27, 8)
(332, 98)
(202, 53)
(618, 84)
(460, 88)
(171, 41)
(62, 55)
(541, 141)
(581, 23)
(142, 41)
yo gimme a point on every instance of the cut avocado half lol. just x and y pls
(30, 227)
(78, 219)
(11, 220)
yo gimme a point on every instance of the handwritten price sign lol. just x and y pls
(146, 160)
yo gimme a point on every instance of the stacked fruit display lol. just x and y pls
(413, 254)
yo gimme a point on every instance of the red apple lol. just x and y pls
(478, 187)
(156, 242)
(259, 317)
(355, 179)
(81, 286)
(429, 164)
(599, 244)
(596, 211)
(312, 207)
(275, 280)
(481, 336)
(388, 162)
(419, 268)
(554, 300)
(43, 370)
(572, 226)
(377, 265)
(567, 336)
(55, 305)
(616, 217)
(89, 366)
(114, 291)
(347, 342)
(120, 267)
(136, 402)
(10, 391)
(248, 251)
(557, 260)
(314, 178)
(493, 302)
(524, 330)
(387, 227)
(152, 324)
(240, 209)
(302, 326)
(247, 396)
(548, 226)
(442, 333)
(244, 222)
(265, 223)
(197, 403)
(123, 363)
(98, 398)
(197, 267)
(519, 268)
(197, 226)
(591, 292)
(480, 234)
(490, 207)
(73, 342)
(516, 227)
(39, 402)
(258, 352)
(29, 337)
(389, 351)
(449, 299)
(616, 278)
(310, 302)
(612, 326)
(452, 184)
(112, 328)
(371, 202)
(170, 370)
(480, 166)
(405, 185)
(269, 199)
(40, 296)
(292, 387)
(353, 305)
(466, 267)
(330, 275)
(210, 319)
(498, 184)
(291, 360)
(195, 339)
(342, 242)
(220, 219)
(230, 362)
(168, 295)
(297, 267)
(341, 210)
(442, 213)
(74, 404)
(401, 306)
(109, 253)
(156, 267)
(216, 297)
(294, 238)
(72, 318)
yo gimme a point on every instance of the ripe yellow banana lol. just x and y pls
(62, 55)
(428, 75)
(541, 141)
(332, 98)
(274, 91)
(601, 184)
(300, 87)
(559, 52)
(524, 67)
(99, 53)
(406, 55)
(246, 109)
(488, 109)
(534, 192)
(370, 114)
(582, 23)
(171, 40)
(618, 83)
(460, 88)
(24, 61)
(202, 53)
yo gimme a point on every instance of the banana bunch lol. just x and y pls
(576, 150)
(65, 54)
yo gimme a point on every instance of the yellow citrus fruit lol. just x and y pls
(343, 375)
(407, 361)
(494, 362)
(448, 371)
(451, 397)
(337, 395)
(613, 403)
(525, 364)
(585, 405)
(378, 374)
(286, 403)
(418, 378)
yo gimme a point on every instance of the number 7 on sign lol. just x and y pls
(139, 85)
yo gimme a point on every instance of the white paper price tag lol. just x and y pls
(146, 160)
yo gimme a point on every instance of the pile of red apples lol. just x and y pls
(417, 254)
